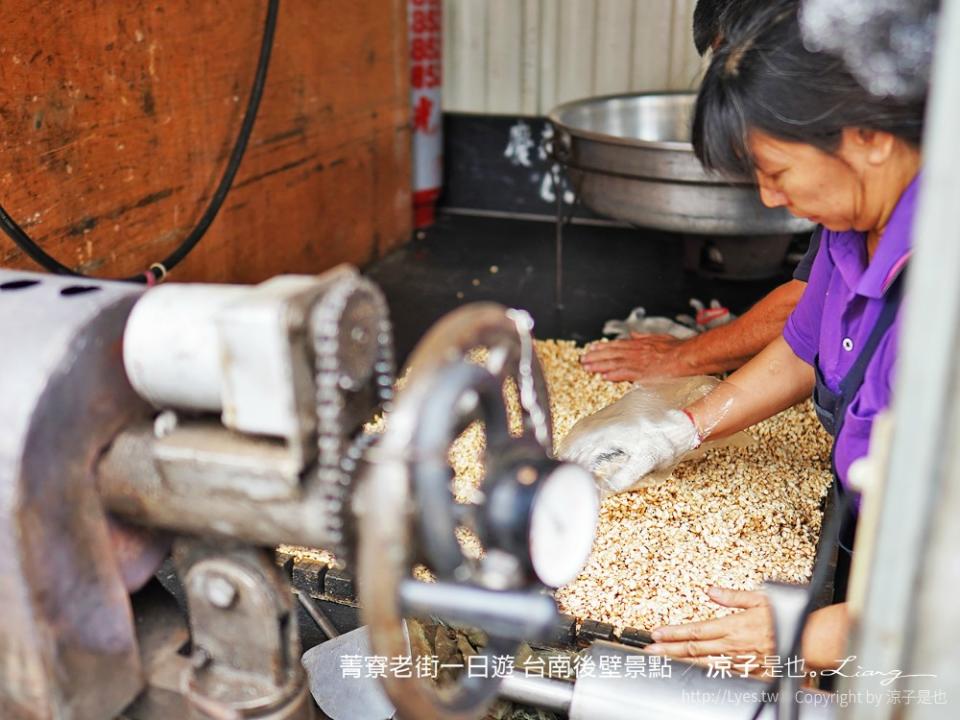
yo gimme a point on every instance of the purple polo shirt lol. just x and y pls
(839, 309)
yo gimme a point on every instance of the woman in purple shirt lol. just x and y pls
(824, 148)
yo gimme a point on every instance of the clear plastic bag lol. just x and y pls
(683, 327)
(638, 440)
(638, 322)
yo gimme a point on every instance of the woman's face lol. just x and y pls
(826, 188)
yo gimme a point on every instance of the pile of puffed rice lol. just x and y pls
(734, 518)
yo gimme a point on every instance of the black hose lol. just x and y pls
(158, 271)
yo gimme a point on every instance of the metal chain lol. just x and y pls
(538, 415)
(339, 456)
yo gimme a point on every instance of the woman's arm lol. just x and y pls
(727, 347)
(824, 642)
(642, 443)
(745, 634)
(749, 634)
(773, 381)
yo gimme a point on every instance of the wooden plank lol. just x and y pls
(467, 46)
(614, 46)
(118, 118)
(539, 53)
(530, 49)
(684, 60)
(549, 53)
(576, 42)
(451, 88)
(504, 56)
(653, 24)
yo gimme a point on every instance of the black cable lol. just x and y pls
(158, 271)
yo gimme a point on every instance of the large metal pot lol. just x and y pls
(630, 158)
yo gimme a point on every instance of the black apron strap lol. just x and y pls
(851, 383)
(849, 386)
(854, 378)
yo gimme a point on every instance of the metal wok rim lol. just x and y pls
(667, 145)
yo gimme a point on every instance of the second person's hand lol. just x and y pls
(639, 357)
(744, 637)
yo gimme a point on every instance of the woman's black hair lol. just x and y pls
(763, 78)
(707, 25)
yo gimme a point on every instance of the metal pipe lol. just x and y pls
(171, 345)
(539, 692)
(678, 690)
(502, 614)
(317, 615)
(132, 487)
(535, 217)
(558, 245)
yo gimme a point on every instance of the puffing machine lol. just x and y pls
(211, 423)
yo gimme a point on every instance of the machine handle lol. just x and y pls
(515, 615)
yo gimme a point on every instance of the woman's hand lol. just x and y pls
(639, 357)
(746, 637)
(626, 441)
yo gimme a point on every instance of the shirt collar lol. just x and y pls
(894, 248)
(849, 253)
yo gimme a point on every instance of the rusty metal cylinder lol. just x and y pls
(133, 487)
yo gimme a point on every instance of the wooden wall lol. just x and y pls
(117, 118)
(523, 57)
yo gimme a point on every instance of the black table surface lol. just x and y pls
(607, 272)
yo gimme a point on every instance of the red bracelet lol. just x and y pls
(696, 428)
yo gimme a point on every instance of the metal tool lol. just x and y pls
(340, 697)
(229, 419)
(252, 437)
(687, 692)
(407, 469)
(62, 403)
(316, 614)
